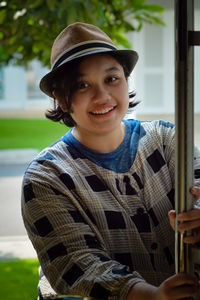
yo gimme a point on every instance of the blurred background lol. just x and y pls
(152, 79)
(27, 31)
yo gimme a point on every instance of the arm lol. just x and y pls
(70, 249)
(168, 289)
(190, 220)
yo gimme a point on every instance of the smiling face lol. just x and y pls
(100, 100)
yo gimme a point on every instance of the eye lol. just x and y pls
(82, 85)
(111, 79)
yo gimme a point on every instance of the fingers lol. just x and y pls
(189, 220)
(184, 292)
(194, 238)
(191, 239)
(195, 191)
(194, 224)
(172, 218)
(190, 215)
(180, 286)
(181, 279)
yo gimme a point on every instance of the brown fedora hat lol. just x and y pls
(78, 40)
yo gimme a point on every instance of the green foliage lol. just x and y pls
(19, 279)
(28, 28)
(29, 133)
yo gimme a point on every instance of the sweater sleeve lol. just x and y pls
(165, 136)
(197, 172)
(166, 130)
(197, 166)
(70, 249)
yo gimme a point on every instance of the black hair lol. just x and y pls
(64, 86)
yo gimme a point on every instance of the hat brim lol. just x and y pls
(128, 58)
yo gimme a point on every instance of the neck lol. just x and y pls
(103, 143)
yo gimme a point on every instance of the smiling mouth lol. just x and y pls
(103, 111)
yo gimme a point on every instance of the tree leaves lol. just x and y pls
(2, 15)
(28, 28)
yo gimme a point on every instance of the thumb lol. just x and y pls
(172, 217)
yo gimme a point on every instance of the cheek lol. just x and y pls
(125, 96)
(124, 90)
(72, 110)
(77, 109)
(79, 103)
(73, 105)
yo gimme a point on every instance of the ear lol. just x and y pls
(62, 104)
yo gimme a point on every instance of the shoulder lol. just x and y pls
(159, 129)
(48, 160)
(157, 135)
(155, 127)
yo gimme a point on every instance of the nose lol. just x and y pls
(100, 93)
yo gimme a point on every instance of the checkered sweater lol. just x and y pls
(98, 231)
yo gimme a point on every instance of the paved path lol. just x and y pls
(14, 242)
(10, 206)
(16, 247)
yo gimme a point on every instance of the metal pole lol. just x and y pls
(184, 112)
(187, 257)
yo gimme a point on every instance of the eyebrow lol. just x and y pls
(112, 69)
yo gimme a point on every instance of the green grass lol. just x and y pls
(29, 133)
(19, 279)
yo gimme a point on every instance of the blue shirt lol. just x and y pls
(119, 160)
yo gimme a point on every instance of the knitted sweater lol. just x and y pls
(98, 221)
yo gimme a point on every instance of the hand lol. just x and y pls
(177, 287)
(190, 220)
(180, 286)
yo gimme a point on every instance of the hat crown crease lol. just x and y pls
(75, 34)
(92, 44)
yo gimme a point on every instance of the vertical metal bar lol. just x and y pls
(184, 112)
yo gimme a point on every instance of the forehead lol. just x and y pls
(98, 61)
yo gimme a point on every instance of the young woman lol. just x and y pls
(98, 204)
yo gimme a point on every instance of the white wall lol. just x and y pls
(15, 93)
(154, 75)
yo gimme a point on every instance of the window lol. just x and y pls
(35, 72)
(154, 74)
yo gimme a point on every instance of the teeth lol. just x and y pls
(101, 112)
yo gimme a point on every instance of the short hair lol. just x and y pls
(64, 87)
